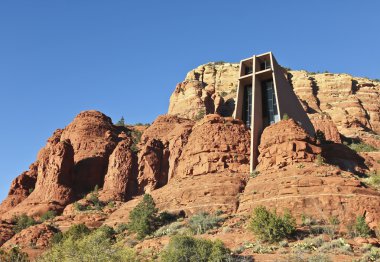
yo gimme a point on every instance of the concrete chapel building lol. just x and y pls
(264, 96)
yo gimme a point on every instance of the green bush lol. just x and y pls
(77, 231)
(269, 226)
(121, 122)
(21, 222)
(169, 230)
(201, 113)
(190, 249)
(13, 255)
(136, 138)
(143, 218)
(48, 215)
(202, 222)
(96, 246)
(285, 116)
(361, 227)
(362, 147)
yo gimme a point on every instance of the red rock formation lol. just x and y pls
(288, 179)
(20, 189)
(173, 132)
(6, 232)
(216, 144)
(285, 143)
(328, 128)
(192, 194)
(33, 240)
(153, 166)
(93, 138)
(120, 180)
(54, 184)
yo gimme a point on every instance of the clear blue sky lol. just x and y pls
(124, 58)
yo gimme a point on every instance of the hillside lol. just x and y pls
(196, 159)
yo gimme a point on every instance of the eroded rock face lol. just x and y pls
(6, 232)
(173, 132)
(285, 143)
(350, 102)
(290, 179)
(120, 180)
(93, 138)
(190, 195)
(209, 88)
(32, 240)
(54, 184)
(153, 166)
(215, 145)
(21, 188)
(328, 128)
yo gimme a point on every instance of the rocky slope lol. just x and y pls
(191, 163)
(351, 103)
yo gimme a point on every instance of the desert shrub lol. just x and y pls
(186, 248)
(319, 258)
(136, 138)
(171, 229)
(361, 227)
(94, 199)
(332, 227)
(57, 237)
(260, 248)
(201, 113)
(21, 222)
(201, 222)
(143, 218)
(96, 246)
(13, 255)
(307, 220)
(269, 226)
(372, 255)
(120, 228)
(362, 147)
(77, 231)
(108, 231)
(79, 207)
(337, 246)
(48, 215)
(320, 160)
(374, 180)
(310, 244)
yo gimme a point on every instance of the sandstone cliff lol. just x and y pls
(351, 103)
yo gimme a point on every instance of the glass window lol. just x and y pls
(247, 105)
(270, 114)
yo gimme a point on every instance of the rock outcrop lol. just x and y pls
(289, 178)
(21, 188)
(120, 181)
(215, 145)
(173, 132)
(153, 166)
(208, 89)
(93, 137)
(54, 186)
(285, 143)
(34, 237)
(350, 102)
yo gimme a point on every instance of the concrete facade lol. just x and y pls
(264, 96)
